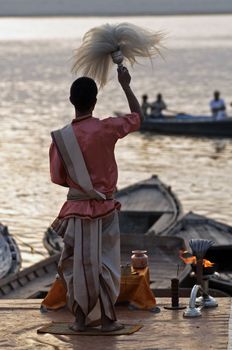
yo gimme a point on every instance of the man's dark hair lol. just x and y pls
(83, 93)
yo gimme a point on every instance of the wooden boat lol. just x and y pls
(10, 259)
(194, 226)
(148, 207)
(189, 125)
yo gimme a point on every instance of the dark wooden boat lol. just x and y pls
(148, 207)
(194, 226)
(189, 125)
(10, 258)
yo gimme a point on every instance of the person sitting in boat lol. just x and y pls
(217, 106)
(157, 107)
(145, 106)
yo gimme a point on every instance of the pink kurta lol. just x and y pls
(97, 139)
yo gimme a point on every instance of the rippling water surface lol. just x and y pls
(35, 78)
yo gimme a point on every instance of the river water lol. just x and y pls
(35, 60)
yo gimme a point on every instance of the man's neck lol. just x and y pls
(83, 115)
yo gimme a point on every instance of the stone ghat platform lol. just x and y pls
(167, 330)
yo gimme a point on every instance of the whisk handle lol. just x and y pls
(120, 66)
(117, 58)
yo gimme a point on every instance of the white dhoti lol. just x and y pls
(90, 260)
(90, 264)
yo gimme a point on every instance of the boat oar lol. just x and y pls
(174, 112)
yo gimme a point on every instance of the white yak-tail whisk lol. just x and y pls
(93, 58)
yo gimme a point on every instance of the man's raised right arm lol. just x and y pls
(124, 79)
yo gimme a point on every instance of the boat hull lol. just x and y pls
(192, 126)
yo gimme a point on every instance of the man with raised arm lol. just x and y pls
(82, 159)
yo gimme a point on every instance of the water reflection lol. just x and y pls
(34, 87)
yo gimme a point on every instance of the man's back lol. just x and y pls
(97, 139)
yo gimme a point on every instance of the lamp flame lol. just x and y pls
(191, 259)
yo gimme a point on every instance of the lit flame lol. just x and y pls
(190, 259)
(207, 263)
